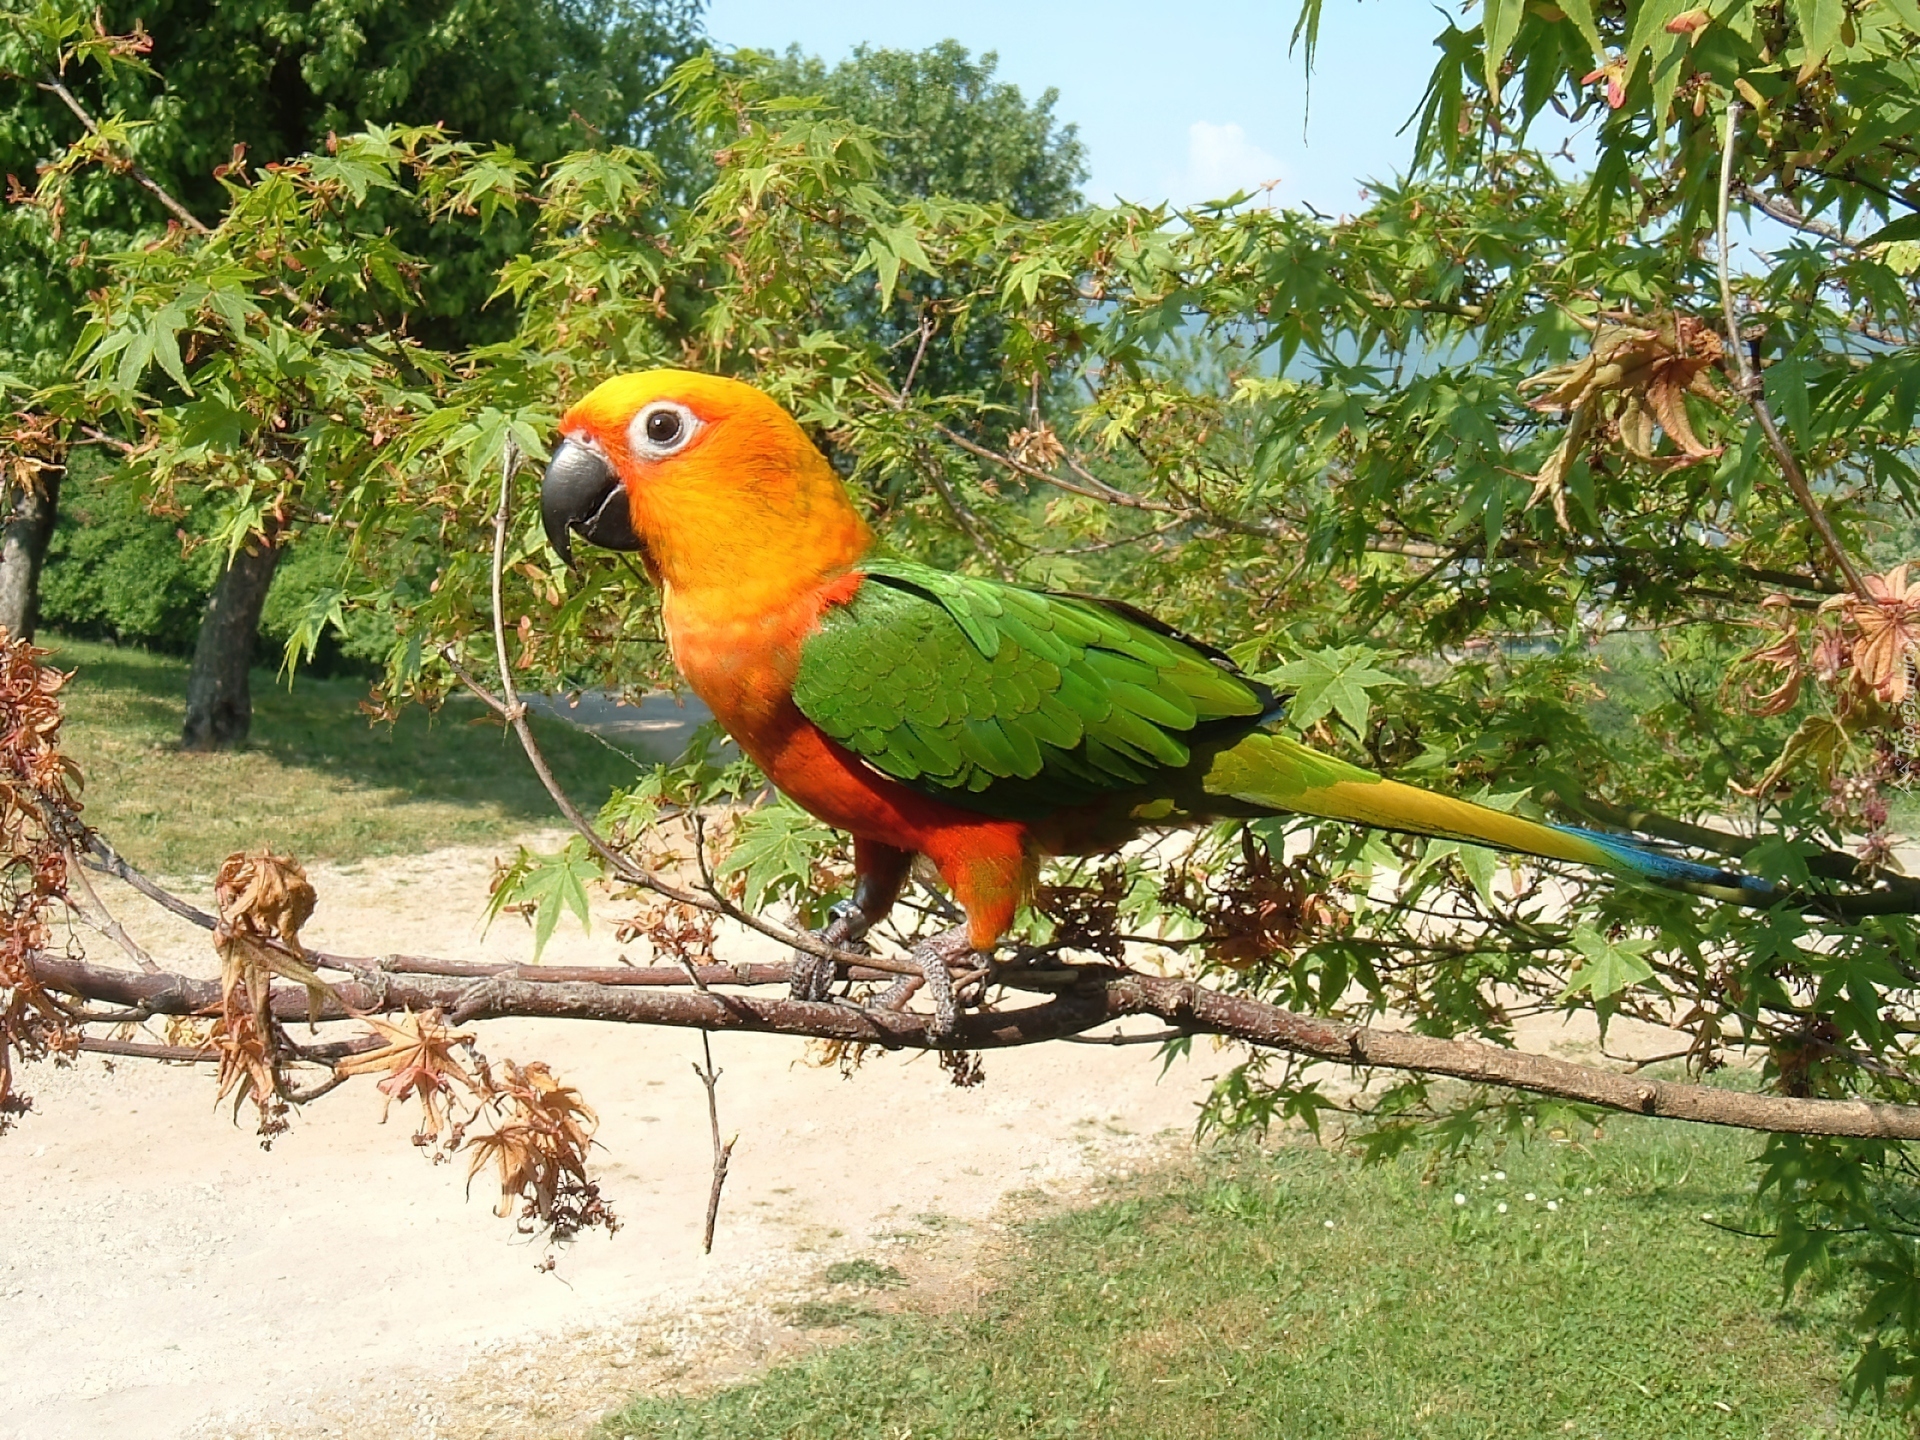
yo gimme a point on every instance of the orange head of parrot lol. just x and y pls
(710, 480)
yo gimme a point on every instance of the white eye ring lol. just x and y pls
(664, 428)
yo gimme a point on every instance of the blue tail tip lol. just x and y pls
(1674, 869)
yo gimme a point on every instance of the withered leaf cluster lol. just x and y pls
(418, 1058)
(263, 901)
(1861, 654)
(1263, 909)
(532, 1129)
(38, 806)
(671, 930)
(31, 448)
(538, 1130)
(1862, 648)
(1635, 377)
(538, 1147)
(1086, 916)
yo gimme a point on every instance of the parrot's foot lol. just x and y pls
(933, 955)
(813, 976)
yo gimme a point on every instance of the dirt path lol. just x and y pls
(161, 1276)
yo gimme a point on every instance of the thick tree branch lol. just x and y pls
(1105, 995)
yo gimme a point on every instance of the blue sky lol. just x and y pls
(1175, 101)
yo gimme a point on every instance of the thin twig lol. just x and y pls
(1156, 1037)
(100, 437)
(107, 861)
(906, 386)
(1788, 214)
(970, 524)
(107, 925)
(710, 1077)
(1752, 391)
(180, 212)
(138, 1050)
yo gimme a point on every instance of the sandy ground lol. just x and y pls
(163, 1276)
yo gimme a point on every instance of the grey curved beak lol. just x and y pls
(581, 494)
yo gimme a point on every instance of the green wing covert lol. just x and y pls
(1011, 701)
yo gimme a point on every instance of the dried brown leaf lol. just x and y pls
(264, 895)
(1635, 375)
(419, 1061)
(1888, 632)
(539, 1151)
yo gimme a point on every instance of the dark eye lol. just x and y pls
(664, 427)
(661, 429)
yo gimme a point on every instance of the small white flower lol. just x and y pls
(1707, 1216)
(1329, 1224)
(1529, 1195)
(1499, 1174)
(1458, 1198)
(1553, 1204)
(1483, 1179)
(1587, 1191)
(1501, 1207)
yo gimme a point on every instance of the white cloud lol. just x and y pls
(1221, 159)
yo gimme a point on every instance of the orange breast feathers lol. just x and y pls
(744, 668)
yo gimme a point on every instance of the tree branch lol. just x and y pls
(1752, 391)
(710, 1077)
(1094, 488)
(180, 212)
(1105, 995)
(1788, 214)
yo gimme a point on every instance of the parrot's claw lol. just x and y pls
(933, 955)
(813, 976)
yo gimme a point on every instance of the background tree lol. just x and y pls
(943, 127)
(225, 82)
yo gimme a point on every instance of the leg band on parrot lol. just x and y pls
(813, 976)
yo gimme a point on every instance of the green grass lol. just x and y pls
(865, 1274)
(1218, 1303)
(315, 778)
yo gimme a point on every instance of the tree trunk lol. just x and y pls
(219, 704)
(23, 549)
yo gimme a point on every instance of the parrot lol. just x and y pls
(980, 724)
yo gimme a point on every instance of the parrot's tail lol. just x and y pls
(1275, 772)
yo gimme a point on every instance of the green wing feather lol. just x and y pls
(1009, 701)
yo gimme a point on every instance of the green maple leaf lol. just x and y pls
(549, 883)
(775, 848)
(1608, 966)
(1331, 680)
